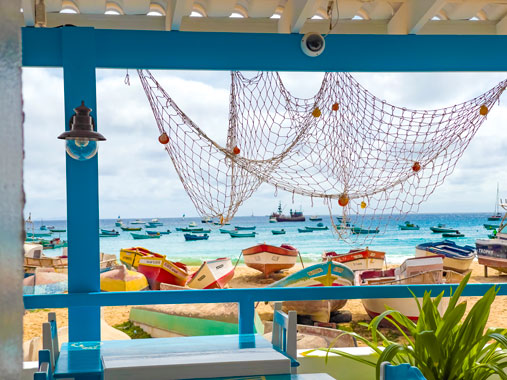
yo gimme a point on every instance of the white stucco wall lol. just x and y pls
(11, 192)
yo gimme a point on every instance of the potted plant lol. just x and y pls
(444, 347)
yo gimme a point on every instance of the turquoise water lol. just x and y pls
(397, 244)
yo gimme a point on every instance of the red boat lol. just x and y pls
(358, 259)
(159, 269)
(268, 258)
(213, 274)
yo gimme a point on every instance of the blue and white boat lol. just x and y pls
(456, 257)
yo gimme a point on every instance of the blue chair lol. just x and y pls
(400, 372)
(284, 336)
(44, 371)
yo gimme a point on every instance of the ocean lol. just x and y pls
(397, 244)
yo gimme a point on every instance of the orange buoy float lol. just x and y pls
(163, 138)
(416, 167)
(343, 200)
(335, 107)
(363, 204)
(316, 112)
(483, 110)
(236, 150)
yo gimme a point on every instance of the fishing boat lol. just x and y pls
(131, 256)
(207, 220)
(457, 258)
(278, 232)
(492, 236)
(221, 224)
(212, 274)
(200, 230)
(268, 258)
(294, 216)
(272, 220)
(156, 222)
(126, 228)
(234, 234)
(418, 270)
(167, 232)
(315, 218)
(53, 243)
(108, 235)
(150, 225)
(244, 228)
(496, 216)
(493, 252)
(120, 279)
(328, 273)
(318, 227)
(407, 226)
(456, 234)
(56, 230)
(153, 233)
(109, 232)
(363, 231)
(192, 224)
(38, 234)
(194, 237)
(358, 259)
(144, 236)
(160, 270)
(491, 226)
(225, 231)
(137, 221)
(118, 222)
(45, 281)
(43, 227)
(441, 228)
(304, 230)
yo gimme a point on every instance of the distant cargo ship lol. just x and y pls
(295, 216)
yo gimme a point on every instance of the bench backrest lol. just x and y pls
(50, 338)
(44, 371)
(400, 372)
(284, 336)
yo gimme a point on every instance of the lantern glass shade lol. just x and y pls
(81, 149)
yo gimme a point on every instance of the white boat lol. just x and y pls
(212, 274)
(268, 258)
(358, 258)
(419, 270)
(192, 224)
(323, 274)
(456, 258)
(272, 220)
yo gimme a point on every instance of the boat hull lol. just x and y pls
(121, 279)
(268, 259)
(322, 274)
(451, 263)
(213, 274)
(158, 270)
(359, 259)
(130, 256)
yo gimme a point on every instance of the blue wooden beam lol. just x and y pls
(82, 186)
(247, 295)
(272, 52)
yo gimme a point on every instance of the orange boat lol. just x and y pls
(268, 258)
(358, 259)
(158, 269)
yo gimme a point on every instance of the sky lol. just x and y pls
(137, 177)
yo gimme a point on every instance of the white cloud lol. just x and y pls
(137, 178)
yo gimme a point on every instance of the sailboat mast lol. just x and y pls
(497, 195)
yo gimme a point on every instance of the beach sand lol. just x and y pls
(248, 278)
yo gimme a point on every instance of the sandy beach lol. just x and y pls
(248, 278)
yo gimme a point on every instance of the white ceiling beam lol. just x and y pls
(28, 12)
(102, 21)
(413, 15)
(295, 14)
(346, 27)
(229, 25)
(181, 8)
(501, 26)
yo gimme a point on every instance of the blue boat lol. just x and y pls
(193, 237)
(278, 232)
(234, 234)
(456, 257)
(141, 236)
(318, 227)
(240, 228)
(304, 230)
(109, 232)
(158, 232)
(225, 231)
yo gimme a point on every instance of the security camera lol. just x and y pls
(313, 44)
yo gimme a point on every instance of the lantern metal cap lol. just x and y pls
(81, 126)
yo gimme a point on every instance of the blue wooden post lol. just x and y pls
(246, 316)
(78, 58)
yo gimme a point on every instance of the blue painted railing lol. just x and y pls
(246, 298)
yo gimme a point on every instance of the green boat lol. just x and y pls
(38, 234)
(242, 234)
(491, 226)
(409, 227)
(58, 230)
(304, 230)
(441, 228)
(143, 236)
(225, 231)
(318, 227)
(362, 231)
(240, 228)
(278, 232)
(131, 228)
(192, 229)
(456, 234)
(108, 235)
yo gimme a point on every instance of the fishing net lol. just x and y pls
(369, 161)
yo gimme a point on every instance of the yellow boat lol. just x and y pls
(131, 256)
(120, 279)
